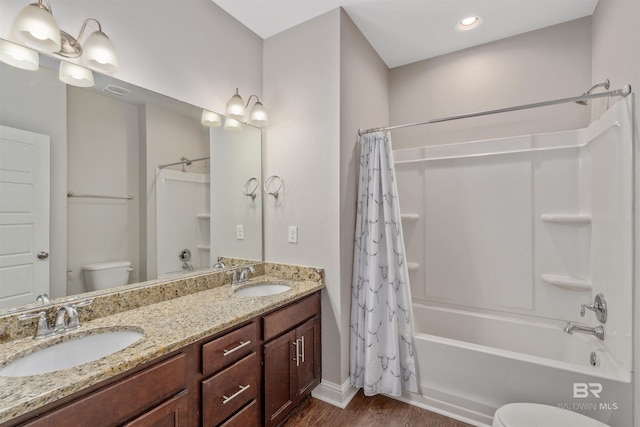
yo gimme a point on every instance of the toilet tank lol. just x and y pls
(105, 275)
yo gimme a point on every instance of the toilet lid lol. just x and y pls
(536, 415)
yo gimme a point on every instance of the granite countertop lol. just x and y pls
(167, 326)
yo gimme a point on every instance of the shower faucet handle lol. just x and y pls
(599, 307)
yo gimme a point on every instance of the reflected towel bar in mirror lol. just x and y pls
(250, 190)
(98, 196)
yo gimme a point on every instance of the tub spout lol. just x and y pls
(598, 331)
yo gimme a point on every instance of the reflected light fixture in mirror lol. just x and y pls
(75, 75)
(19, 56)
(237, 110)
(232, 124)
(211, 119)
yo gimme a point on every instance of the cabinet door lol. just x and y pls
(173, 413)
(309, 357)
(279, 378)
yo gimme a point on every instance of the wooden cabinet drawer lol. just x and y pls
(172, 413)
(247, 417)
(229, 390)
(229, 348)
(116, 403)
(288, 317)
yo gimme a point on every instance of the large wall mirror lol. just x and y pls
(117, 173)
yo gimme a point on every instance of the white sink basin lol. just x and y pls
(262, 290)
(72, 353)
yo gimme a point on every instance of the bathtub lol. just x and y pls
(505, 239)
(470, 364)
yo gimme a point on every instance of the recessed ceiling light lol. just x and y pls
(469, 23)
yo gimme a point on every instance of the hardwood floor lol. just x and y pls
(365, 411)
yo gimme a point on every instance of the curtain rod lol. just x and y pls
(624, 91)
(184, 161)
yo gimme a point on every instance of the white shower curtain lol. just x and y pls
(382, 358)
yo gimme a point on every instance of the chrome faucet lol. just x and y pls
(219, 266)
(43, 329)
(187, 266)
(43, 299)
(238, 279)
(244, 273)
(71, 313)
(598, 331)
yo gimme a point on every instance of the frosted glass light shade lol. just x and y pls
(258, 116)
(232, 124)
(36, 27)
(18, 56)
(75, 75)
(235, 107)
(98, 53)
(211, 119)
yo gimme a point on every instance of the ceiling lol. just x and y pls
(406, 31)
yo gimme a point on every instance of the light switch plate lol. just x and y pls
(240, 232)
(293, 234)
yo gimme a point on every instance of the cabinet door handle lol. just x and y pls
(226, 399)
(296, 343)
(302, 352)
(236, 348)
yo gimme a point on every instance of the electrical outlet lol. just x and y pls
(240, 232)
(293, 234)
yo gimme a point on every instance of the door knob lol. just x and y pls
(43, 255)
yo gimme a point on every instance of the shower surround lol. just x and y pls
(505, 240)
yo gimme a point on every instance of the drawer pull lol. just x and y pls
(226, 399)
(238, 347)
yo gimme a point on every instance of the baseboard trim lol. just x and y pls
(336, 394)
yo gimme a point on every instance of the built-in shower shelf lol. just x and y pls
(567, 282)
(204, 216)
(204, 247)
(410, 217)
(412, 266)
(566, 218)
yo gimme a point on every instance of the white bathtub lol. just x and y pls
(470, 364)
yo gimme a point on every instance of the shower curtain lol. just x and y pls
(381, 358)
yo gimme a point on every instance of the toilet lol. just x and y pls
(537, 415)
(104, 275)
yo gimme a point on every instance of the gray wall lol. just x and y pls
(364, 103)
(551, 63)
(302, 146)
(616, 55)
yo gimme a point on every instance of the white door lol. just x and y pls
(24, 216)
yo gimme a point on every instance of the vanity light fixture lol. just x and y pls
(211, 119)
(98, 52)
(468, 23)
(36, 27)
(237, 110)
(18, 56)
(75, 75)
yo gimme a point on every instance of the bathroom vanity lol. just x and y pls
(246, 361)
